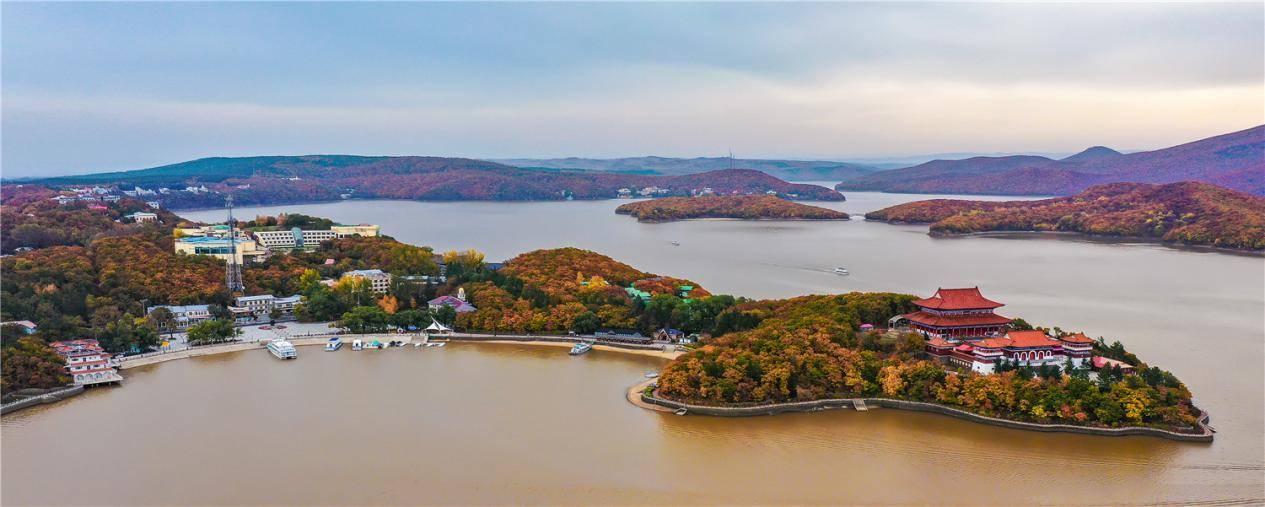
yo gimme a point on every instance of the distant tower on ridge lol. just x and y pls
(233, 270)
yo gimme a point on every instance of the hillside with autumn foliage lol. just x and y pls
(746, 207)
(810, 348)
(277, 180)
(1187, 213)
(30, 219)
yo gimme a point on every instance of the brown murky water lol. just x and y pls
(494, 424)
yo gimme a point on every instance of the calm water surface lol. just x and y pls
(518, 424)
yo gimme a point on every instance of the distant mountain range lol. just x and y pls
(790, 170)
(1235, 160)
(288, 179)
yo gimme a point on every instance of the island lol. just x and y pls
(1185, 213)
(112, 279)
(745, 207)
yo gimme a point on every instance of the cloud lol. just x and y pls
(87, 89)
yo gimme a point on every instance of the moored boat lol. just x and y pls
(357, 344)
(282, 349)
(333, 344)
(581, 348)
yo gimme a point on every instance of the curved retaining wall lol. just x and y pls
(1203, 435)
(49, 397)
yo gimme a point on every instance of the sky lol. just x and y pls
(111, 86)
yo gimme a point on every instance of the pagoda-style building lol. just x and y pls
(957, 314)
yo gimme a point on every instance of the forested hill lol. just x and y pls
(1235, 160)
(790, 170)
(1189, 213)
(274, 180)
(745, 207)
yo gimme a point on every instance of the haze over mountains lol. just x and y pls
(790, 170)
(1235, 160)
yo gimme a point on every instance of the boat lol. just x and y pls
(418, 344)
(680, 411)
(282, 349)
(841, 271)
(357, 344)
(581, 348)
(441, 344)
(333, 344)
(375, 345)
(676, 243)
(652, 375)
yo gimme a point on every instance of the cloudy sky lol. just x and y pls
(91, 87)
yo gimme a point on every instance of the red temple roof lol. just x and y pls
(958, 299)
(1077, 338)
(927, 319)
(1017, 339)
(939, 342)
(1030, 339)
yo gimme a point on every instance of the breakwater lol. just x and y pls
(1202, 434)
(39, 397)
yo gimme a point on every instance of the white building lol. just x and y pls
(245, 250)
(143, 216)
(250, 308)
(308, 240)
(185, 315)
(379, 281)
(86, 362)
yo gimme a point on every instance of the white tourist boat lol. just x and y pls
(357, 344)
(333, 344)
(581, 348)
(282, 349)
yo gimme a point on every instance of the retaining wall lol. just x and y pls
(49, 397)
(1203, 434)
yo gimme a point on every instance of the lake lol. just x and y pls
(521, 424)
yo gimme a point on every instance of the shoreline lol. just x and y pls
(1204, 434)
(1090, 238)
(321, 340)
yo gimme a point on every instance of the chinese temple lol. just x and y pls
(963, 314)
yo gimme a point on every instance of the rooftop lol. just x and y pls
(958, 299)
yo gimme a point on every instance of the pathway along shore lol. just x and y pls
(551, 341)
(1204, 433)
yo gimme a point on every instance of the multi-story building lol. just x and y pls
(298, 239)
(185, 315)
(247, 250)
(1020, 348)
(379, 281)
(86, 362)
(956, 314)
(252, 307)
(143, 216)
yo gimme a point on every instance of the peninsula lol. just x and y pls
(1186, 213)
(745, 207)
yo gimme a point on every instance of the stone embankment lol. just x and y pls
(1202, 434)
(39, 397)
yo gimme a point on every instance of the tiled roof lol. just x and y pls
(1079, 338)
(928, 319)
(958, 299)
(1018, 339)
